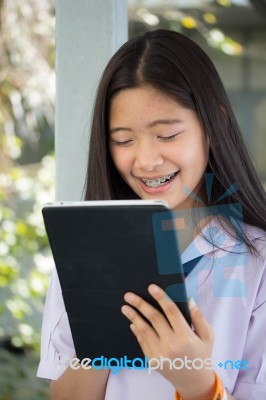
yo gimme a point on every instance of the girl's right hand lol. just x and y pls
(170, 336)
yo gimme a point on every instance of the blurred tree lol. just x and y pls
(27, 77)
(26, 182)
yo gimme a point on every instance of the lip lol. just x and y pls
(160, 189)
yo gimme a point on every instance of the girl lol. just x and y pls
(163, 125)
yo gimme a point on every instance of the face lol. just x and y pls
(157, 146)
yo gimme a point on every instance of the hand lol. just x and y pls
(171, 337)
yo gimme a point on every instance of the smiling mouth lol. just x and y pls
(160, 181)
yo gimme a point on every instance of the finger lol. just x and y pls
(143, 342)
(141, 329)
(154, 316)
(201, 325)
(172, 312)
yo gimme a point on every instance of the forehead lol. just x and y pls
(144, 103)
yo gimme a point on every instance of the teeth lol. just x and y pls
(157, 182)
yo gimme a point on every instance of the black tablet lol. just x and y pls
(103, 249)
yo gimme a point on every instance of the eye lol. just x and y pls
(120, 143)
(168, 138)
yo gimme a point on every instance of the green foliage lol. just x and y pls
(27, 80)
(25, 264)
(24, 252)
(26, 135)
(18, 377)
(27, 54)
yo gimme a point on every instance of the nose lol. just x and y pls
(148, 157)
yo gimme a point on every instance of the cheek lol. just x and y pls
(197, 154)
(192, 157)
(121, 160)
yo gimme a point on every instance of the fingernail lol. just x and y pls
(129, 297)
(154, 289)
(192, 303)
(125, 310)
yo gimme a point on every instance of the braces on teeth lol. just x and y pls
(159, 181)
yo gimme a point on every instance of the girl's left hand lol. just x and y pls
(171, 337)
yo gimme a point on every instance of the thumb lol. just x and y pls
(201, 325)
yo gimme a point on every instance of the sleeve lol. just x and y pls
(57, 346)
(251, 382)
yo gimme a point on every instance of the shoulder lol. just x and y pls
(257, 237)
(257, 263)
(254, 233)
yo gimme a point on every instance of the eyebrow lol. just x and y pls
(150, 125)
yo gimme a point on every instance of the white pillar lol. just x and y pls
(88, 32)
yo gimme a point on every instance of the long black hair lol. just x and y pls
(179, 68)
